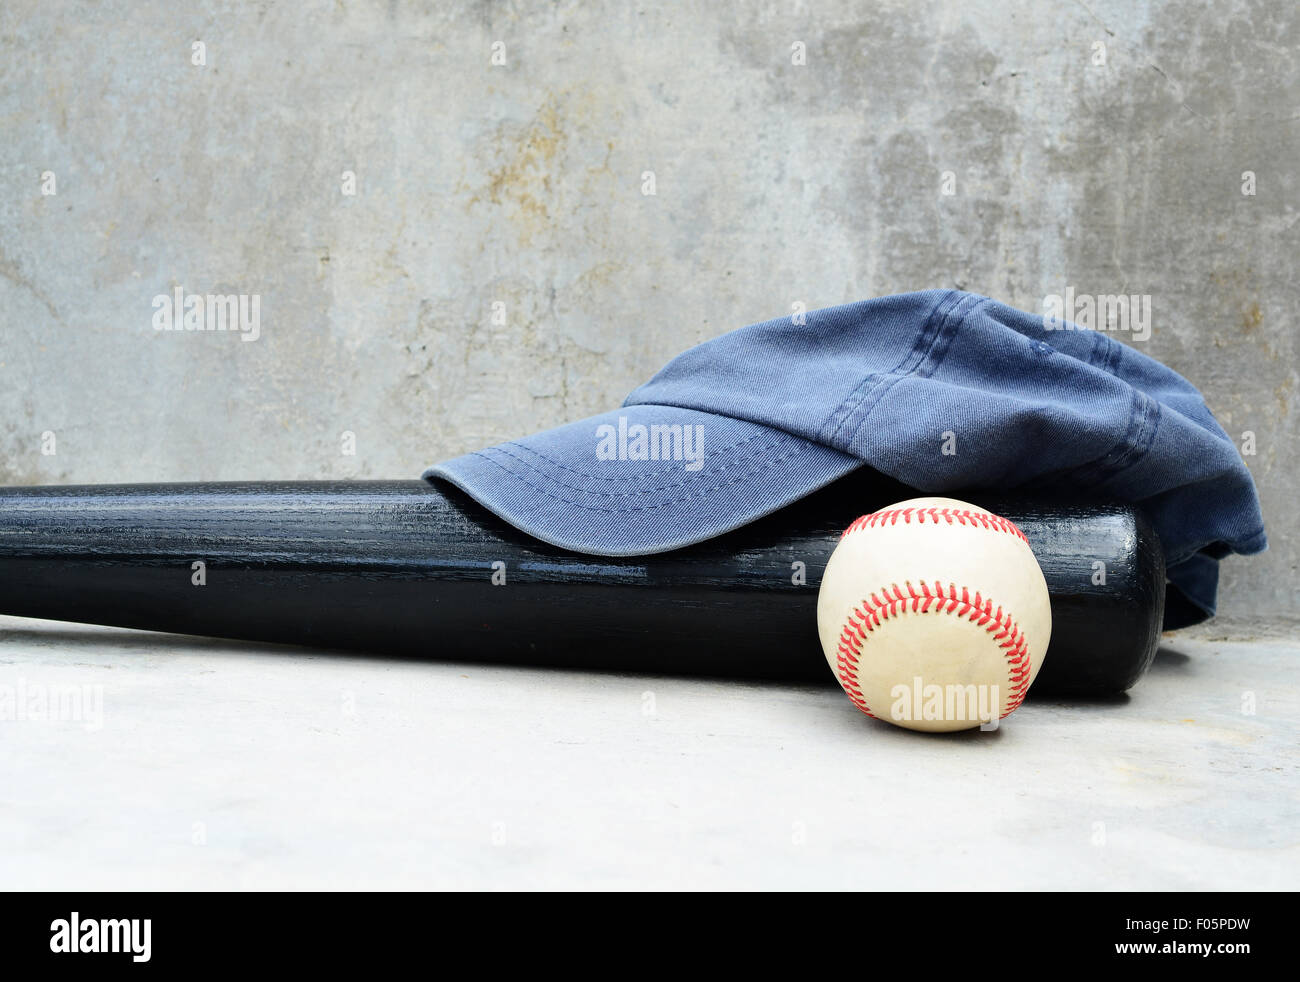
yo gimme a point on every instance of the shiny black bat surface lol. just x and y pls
(415, 569)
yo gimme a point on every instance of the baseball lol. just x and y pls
(934, 615)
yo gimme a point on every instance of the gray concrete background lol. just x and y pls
(522, 184)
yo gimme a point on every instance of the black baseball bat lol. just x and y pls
(419, 569)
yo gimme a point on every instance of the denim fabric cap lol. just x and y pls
(741, 425)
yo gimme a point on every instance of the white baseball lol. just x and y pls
(934, 615)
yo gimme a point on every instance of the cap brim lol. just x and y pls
(562, 486)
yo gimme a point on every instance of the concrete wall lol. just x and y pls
(1097, 145)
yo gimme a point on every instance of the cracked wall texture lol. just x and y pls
(521, 183)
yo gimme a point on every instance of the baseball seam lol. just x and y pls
(893, 516)
(870, 613)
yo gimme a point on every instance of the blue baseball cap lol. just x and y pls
(941, 390)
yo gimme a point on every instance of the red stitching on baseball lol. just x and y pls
(891, 516)
(869, 614)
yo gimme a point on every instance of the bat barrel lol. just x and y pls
(410, 568)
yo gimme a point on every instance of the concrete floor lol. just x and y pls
(201, 764)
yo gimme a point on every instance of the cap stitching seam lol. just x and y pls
(945, 331)
(845, 410)
(607, 494)
(663, 504)
(1129, 450)
(654, 473)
